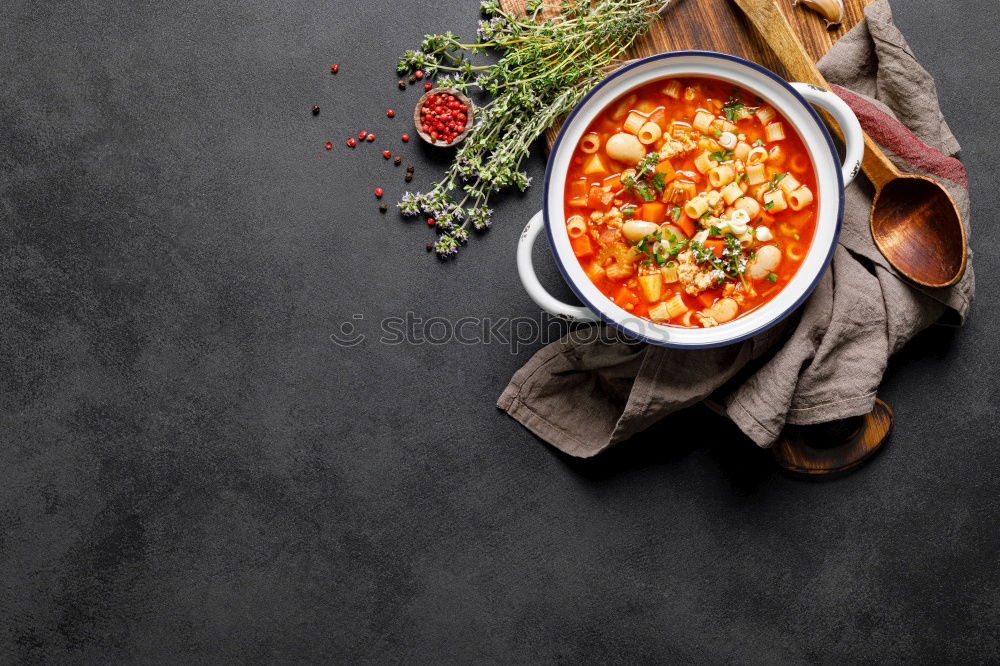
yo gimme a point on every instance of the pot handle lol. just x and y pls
(526, 271)
(854, 138)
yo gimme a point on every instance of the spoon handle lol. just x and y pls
(777, 32)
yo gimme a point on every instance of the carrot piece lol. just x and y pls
(716, 246)
(599, 198)
(665, 167)
(706, 298)
(626, 296)
(614, 182)
(578, 188)
(653, 212)
(686, 224)
(582, 246)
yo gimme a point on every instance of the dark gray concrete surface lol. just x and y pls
(192, 472)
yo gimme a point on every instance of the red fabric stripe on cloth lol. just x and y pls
(894, 135)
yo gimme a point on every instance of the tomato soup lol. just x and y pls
(690, 202)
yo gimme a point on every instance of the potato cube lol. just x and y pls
(595, 166)
(651, 286)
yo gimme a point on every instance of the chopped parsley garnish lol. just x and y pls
(641, 182)
(769, 205)
(733, 262)
(777, 179)
(796, 236)
(717, 133)
(772, 277)
(733, 109)
(677, 213)
(659, 181)
(714, 231)
(758, 143)
(721, 155)
(647, 165)
(744, 177)
(628, 212)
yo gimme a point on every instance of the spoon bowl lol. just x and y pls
(916, 227)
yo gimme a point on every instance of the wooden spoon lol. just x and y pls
(914, 221)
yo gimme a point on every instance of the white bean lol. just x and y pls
(723, 310)
(636, 230)
(625, 148)
(764, 262)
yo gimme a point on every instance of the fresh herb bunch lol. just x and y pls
(546, 66)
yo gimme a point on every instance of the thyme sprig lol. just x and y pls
(546, 66)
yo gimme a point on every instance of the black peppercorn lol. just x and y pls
(398, 160)
(408, 177)
(315, 110)
(382, 207)
(402, 84)
(429, 246)
(412, 79)
(409, 168)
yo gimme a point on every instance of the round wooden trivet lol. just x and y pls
(834, 448)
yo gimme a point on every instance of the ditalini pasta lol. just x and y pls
(690, 202)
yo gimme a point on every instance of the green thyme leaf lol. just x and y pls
(659, 181)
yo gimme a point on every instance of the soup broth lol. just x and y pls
(690, 202)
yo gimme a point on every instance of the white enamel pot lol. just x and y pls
(793, 100)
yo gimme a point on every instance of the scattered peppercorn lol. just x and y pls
(429, 246)
(405, 137)
(402, 84)
(398, 160)
(378, 192)
(315, 110)
(351, 142)
(371, 137)
(408, 177)
(334, 68)
(428, 85)
(386, 154)
(409, 168)
(419, 74)
(412, 79)
(382, 207)
(329, 145)
(390, 113)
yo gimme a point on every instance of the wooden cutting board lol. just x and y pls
(718, 25)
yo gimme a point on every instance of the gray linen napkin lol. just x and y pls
(584, 392)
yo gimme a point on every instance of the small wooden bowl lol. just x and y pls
(470, 117)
